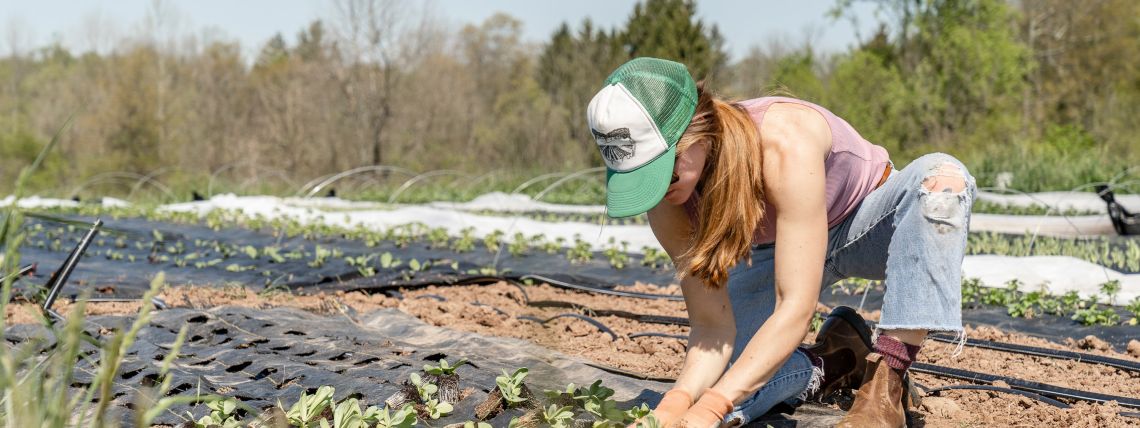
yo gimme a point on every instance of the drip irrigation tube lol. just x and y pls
(15, 276)
(665, 335)
(628, 373)
(601, 327)
(648, 319)
(1047, 390)
(1045, 352)
(59, 278)
(497, 310)
(1027, 394)
(601, 290)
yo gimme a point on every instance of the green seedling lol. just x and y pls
(519, 245)
(581, 251)
(558, 417)
(466, 241)
(403, 418)
(273, 254)
(510, 386)
(1134, 307)
(221, 415)
(597, 400)
(443, 369)
(438, 237)
(493, 241)
(654, 258)
(1094, 316)
(436, 409)
(425, 389)
(320, 255)
(387, 261)
(1110, 289)
(249, 251)
(617, 254)
(307, 410)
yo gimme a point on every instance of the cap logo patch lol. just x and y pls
(616, 145)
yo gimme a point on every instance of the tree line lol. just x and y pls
(1047, 90)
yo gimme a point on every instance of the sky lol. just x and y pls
(744, 23)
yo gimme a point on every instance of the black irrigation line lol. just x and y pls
(619, 293)
(601, 327)
(1080, 357)
(648, 319)
(665, 335)
(22, 272)
(1051, 391)
(1027, 394)
(628, 373)
(59, 278)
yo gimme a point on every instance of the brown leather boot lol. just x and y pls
(843, 343)
(879, 402)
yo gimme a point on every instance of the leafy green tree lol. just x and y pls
(670, 29)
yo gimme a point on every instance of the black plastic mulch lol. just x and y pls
(108, 277)
(262, 356)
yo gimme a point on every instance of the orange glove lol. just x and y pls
(673, 405)
(709, 411)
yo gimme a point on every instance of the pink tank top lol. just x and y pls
(853, 169)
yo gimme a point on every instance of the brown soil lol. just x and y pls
(473, 308)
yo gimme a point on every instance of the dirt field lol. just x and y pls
(495, 310)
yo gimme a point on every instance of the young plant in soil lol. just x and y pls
(654, 258)
(510, 393)
(580, 252)
(444, 376)
(493, 240)
(616, 254)
(519, 245)
(465, 242)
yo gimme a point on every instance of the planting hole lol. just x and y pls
(264, 373)
(238, 367)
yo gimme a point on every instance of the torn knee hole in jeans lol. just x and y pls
(943, 190)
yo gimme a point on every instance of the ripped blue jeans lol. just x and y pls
(905, 233)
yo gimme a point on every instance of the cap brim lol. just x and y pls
(637, 191)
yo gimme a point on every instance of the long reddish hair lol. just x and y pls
(730, 188)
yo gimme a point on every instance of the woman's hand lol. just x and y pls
(708, 412)
(672, 407)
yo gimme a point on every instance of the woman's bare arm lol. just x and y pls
(712, 327)
(796, 142)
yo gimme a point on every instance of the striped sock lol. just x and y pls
(898, 355)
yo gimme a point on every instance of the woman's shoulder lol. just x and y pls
(791, 121)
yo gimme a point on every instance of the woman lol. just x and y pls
(794, 193)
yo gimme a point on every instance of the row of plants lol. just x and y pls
(1122, 254)
(1021, 303)
(423, 398)
(1094, 310)
(987, 207)
(1116, 253)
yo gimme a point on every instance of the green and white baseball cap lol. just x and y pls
(636, 119)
